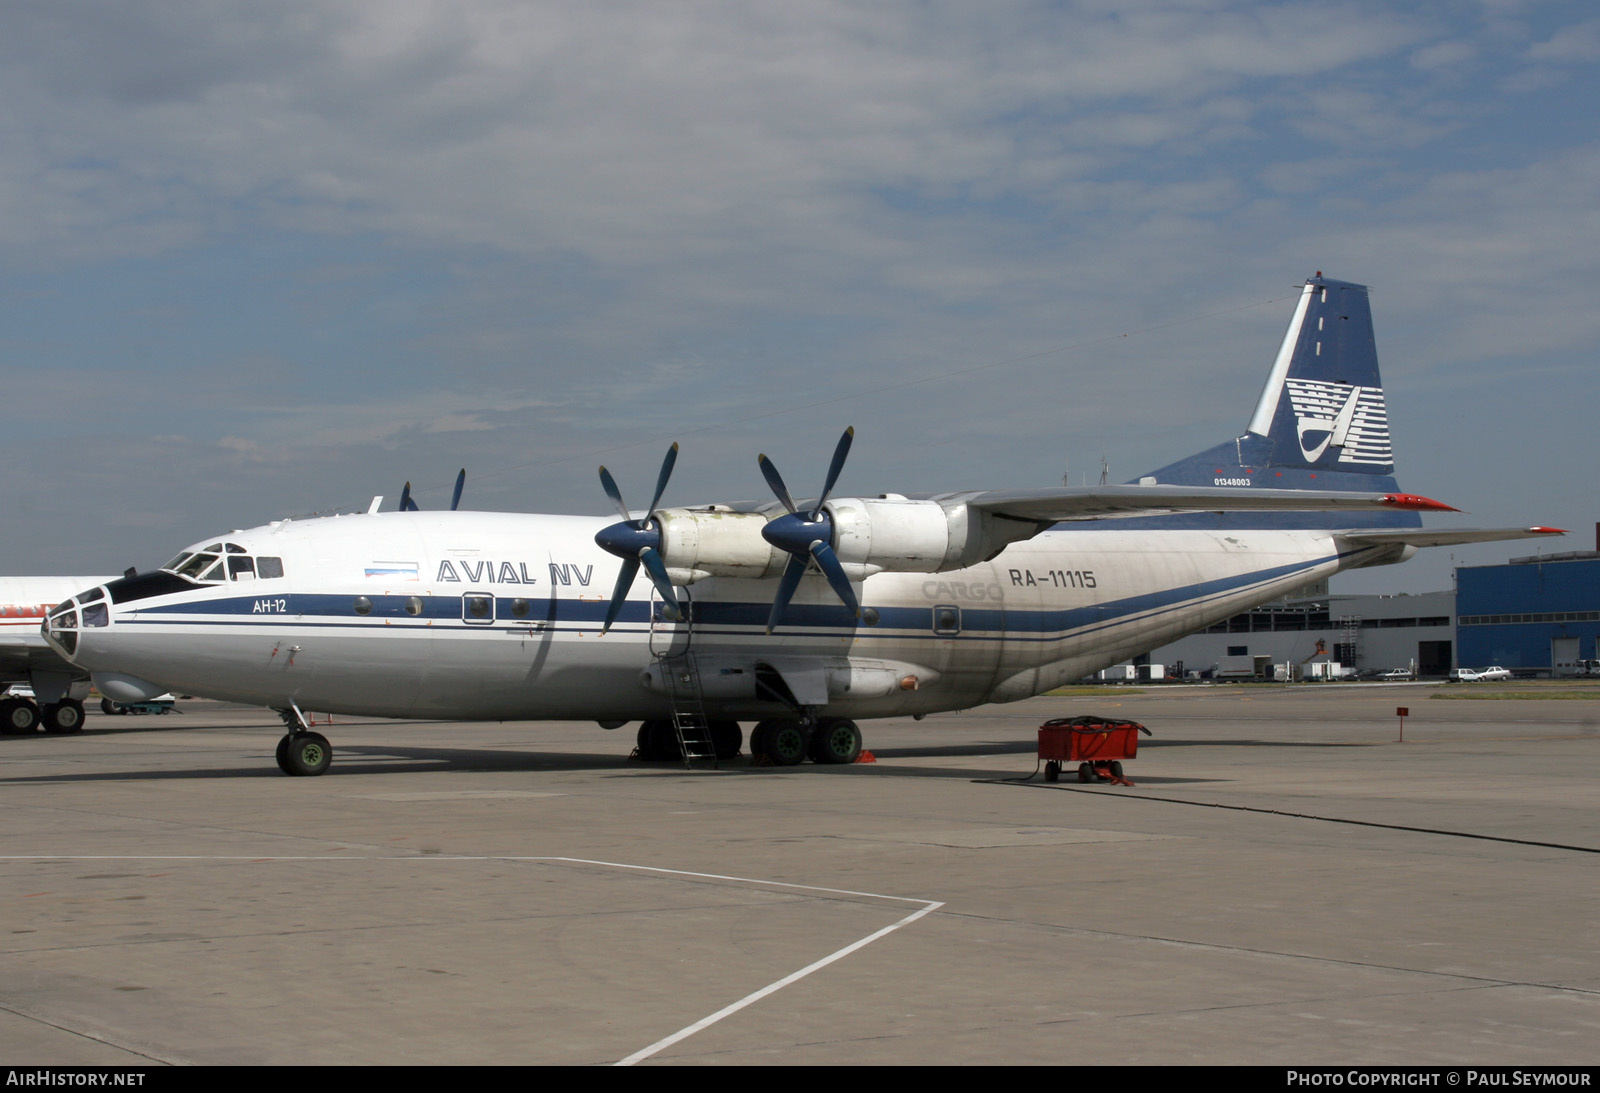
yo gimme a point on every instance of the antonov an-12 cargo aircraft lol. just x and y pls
(801, 616)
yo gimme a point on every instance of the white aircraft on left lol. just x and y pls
(25, 657)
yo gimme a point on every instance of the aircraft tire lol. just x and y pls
(308, 753)
(787, 743)
(108, 707)
(64, 717)
(283, 754)
(836, 741)
(18, 717)
(658, 741)
(726, 738)
(758, 738)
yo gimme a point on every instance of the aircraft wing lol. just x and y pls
(1099, 502)
(1423, 538)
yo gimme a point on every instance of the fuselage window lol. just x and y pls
(477, 608)
(363, 605)
(519, 609)
(269, 568)
(413, 605)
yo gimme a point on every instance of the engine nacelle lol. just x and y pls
(899, 535)
(716, 542)
(870, 535)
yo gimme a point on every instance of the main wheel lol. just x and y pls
(308, 753)
(18, 716)
(759, 736)
(63, 717)
(658, 741)
(837, 740)
(726, 736)
(283, 754)
(108, 707)
(786, 743)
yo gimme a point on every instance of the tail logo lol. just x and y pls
(1347, 417)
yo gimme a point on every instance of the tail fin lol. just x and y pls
(1321, 422)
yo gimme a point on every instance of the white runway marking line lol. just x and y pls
(927, 908)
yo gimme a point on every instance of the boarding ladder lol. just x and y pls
(682, 676)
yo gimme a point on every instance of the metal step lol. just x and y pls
(682, 677)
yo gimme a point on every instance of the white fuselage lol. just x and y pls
(476, 616)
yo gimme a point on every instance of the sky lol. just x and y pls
(260, 260)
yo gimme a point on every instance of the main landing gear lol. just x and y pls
(786, 743)
(20, 717)
(302, 752)
(776, 742)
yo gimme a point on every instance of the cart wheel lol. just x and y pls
(1085, 772)
(1052, 771)
(1116, 769)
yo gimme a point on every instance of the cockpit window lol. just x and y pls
(224, 562)
(195, 565)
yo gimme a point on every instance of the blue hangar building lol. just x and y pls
(1531, 613)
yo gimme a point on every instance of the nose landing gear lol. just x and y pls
(301, 752)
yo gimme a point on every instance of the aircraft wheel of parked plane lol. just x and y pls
(785, 742)
(18, 716)
(658, 741)
(836, 740)
(726, 737)
(63, 717)
(304, 753)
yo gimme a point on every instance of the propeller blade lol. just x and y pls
(405, 499)
(828, 562)
(839, 452)
(461, 481)
(625, 576)
(786, 586)
(661, 480)
(657, 569)
(609, 484)
(775, 481)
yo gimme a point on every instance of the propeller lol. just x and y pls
(636, 542)
(807, 536)
(408, 504)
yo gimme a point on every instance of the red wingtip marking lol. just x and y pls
(1548, 531)
(1417, 503)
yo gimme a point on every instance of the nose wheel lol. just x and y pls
(304, 753)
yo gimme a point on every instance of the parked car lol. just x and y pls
(1397, 673)
(1479, 675)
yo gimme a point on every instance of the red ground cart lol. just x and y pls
(1096, 744)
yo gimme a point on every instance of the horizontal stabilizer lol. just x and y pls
(1097, 502)
(1419, 538)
